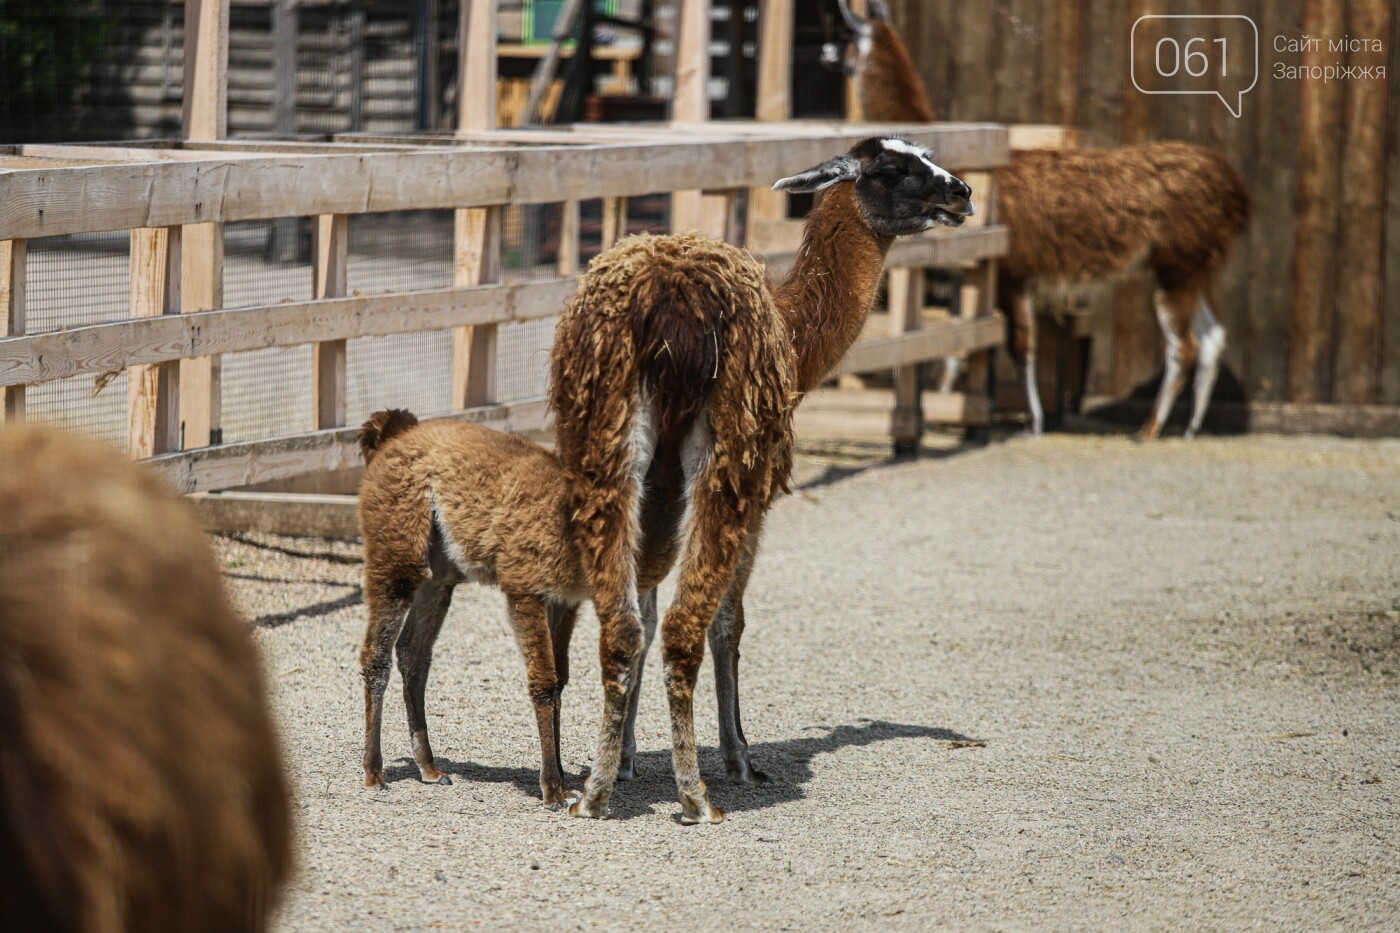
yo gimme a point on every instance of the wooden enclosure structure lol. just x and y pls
(1311, 297)
(174, 197)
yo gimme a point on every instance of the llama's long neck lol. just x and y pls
(891, 89)
(828, 295)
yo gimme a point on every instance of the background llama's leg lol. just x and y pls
(1175, 307)
(1023, 346)
(725, 632)
(627, 769)
(530, 622)
(561, 631)
(1210, 341)
(415, 655)
(387, 610)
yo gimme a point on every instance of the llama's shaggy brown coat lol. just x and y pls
(676, 357)
(143, 787)
(1078, 216)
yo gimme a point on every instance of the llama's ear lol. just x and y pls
(841, 168)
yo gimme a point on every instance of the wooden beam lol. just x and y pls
(201, 289)
(568, 239)
(49, 202)
(153, 391)
(476, 260)
(476, 66)
(101, 348)
(872, 412)
(12, 301)
(929, 343)
(328, 391)
(691, 209)
(230, 466)
(944, 249)
(205, 106)
(278, 513)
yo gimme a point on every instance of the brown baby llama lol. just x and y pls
(143, 787)
(444, 503)
(676, 368)
(1079, 216)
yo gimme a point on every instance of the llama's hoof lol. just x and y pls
(588, 810)
(743, 772)
(556, 796)
(1031, 434)
(693, 815)
(627, 769)
(376, 782)
(434, 775)
(1190, 433)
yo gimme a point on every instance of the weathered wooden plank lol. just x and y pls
(905, 296)
(773, 93)
(872, 413)
(1273, 196)
(1018, 45)
(1314, 258)
(278, 513)
(1068, 41)
(568, 239)
(476, 64)
(944, 249)
(201, 289)
(690, 103)
(153, 391)
(231, 466)
(974, 49)
(330, 272)
(1103, 76)
(929, 343)
(1360, 247)
(12, 303)
(1390, 326)
(49, 202)
(614, 221)
(101, 348)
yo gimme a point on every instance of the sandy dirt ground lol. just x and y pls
(1067, 684)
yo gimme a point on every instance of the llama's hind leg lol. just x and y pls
(1022, 343)
(1175, 308)
(725, 633)
(627, 768)
(561, 618)
(388, 599)
(1210, 338)
(415, 657)
(530, 621)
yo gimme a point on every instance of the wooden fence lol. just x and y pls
(1311, 298)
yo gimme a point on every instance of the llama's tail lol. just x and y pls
(381, 427)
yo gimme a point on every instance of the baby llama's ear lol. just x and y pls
(841, 168)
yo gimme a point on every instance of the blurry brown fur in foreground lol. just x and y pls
(142, 779)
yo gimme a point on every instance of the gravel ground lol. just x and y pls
(1070, 684)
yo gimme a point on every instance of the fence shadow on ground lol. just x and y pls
(789, 764)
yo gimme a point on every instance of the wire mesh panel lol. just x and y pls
(74, 281)
(399, 252)
(266, 392)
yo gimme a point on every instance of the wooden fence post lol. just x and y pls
(694, 210)
(906, 304)
(204, 117)
(476, 249)
(153, 390)
(330, 281)
(614, 220)
(568, 238)
(774, 93)
(12, 298)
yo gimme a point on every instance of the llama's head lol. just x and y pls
(849, 38)
(897, 185)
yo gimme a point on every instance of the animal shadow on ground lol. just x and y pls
(834, 473)
(788, 764)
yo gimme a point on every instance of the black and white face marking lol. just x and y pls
(900, 188)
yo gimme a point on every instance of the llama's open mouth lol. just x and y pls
(948, 218)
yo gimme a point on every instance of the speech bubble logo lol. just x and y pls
(1214, 54)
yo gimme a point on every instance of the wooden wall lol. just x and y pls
(1311, 297)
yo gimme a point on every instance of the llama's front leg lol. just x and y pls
(725, 633)
(530, 622)
(1022, 344)
(627, 767)
(415, 655)
(388, 600)
(1210, 341)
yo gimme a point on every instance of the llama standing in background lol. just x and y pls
(676, 368)
(1079, 216)
(143, 783)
